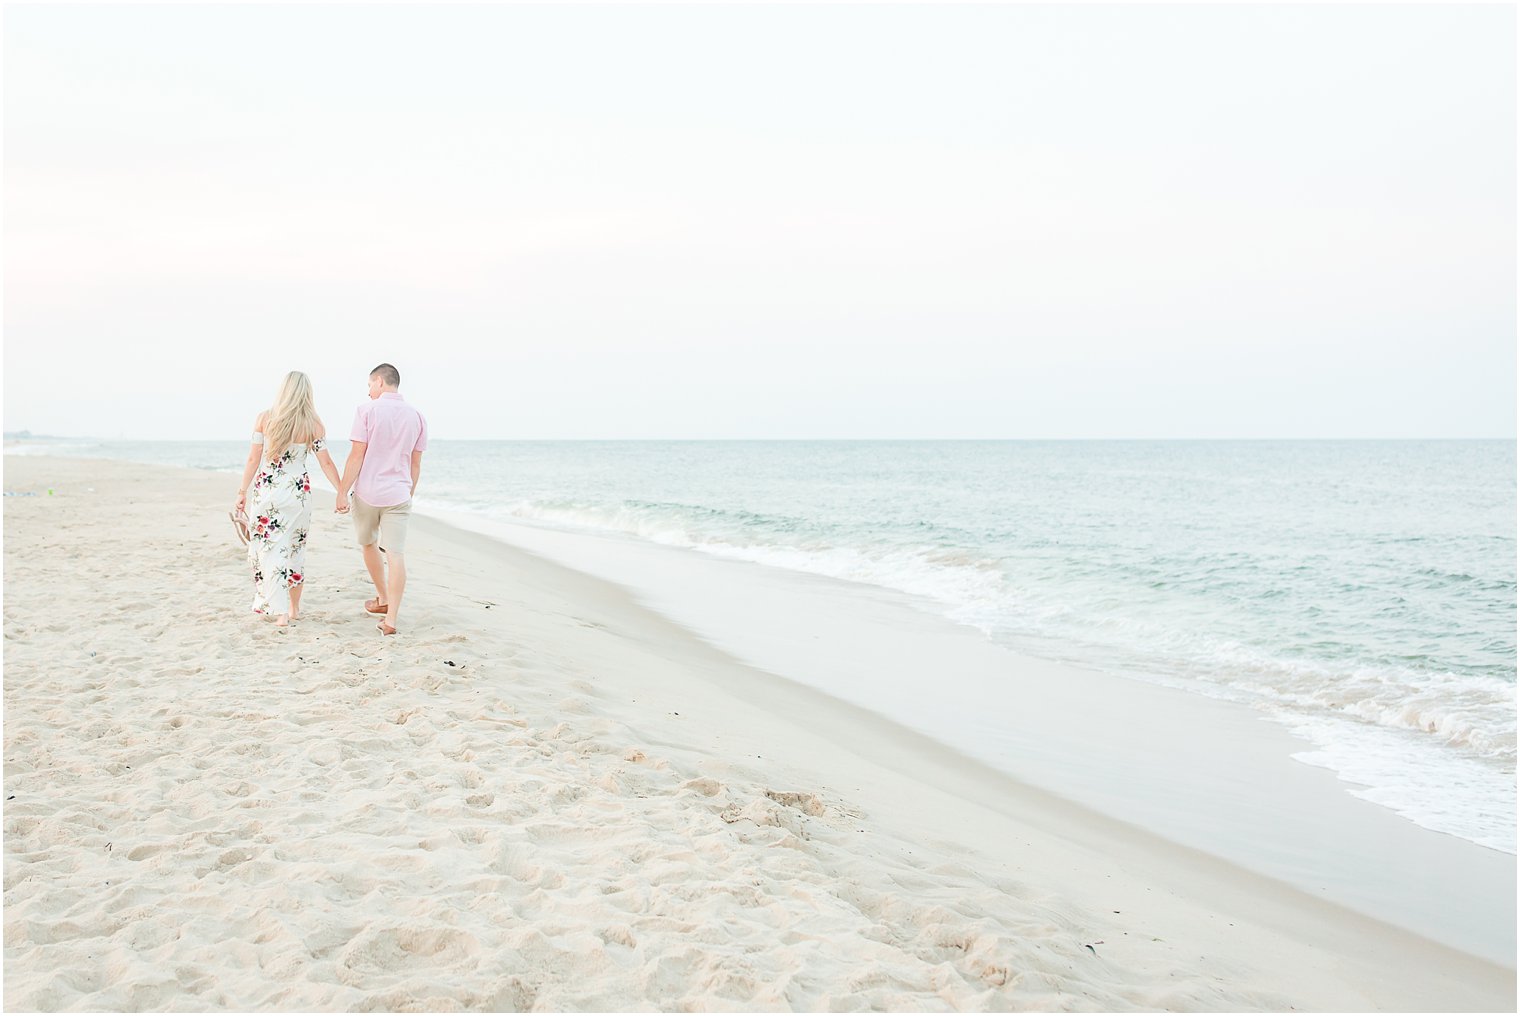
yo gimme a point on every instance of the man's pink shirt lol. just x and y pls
(392, 430)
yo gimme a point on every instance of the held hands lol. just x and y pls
(241, 503)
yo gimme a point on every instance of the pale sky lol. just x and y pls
(765, 222)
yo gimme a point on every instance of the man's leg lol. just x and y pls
(376, 565)
(395, 584)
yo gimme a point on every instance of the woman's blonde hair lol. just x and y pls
(293, 416)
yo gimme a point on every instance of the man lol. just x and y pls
(384, 464)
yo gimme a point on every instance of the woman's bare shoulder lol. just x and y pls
(258, 424)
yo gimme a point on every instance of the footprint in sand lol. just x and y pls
(808, 804)
(147, 850)
(398, 950)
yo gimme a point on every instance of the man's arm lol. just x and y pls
(356, 451)
(416, 471)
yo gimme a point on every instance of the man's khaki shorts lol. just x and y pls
(385, 525)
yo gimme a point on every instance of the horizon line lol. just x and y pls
(27, 436)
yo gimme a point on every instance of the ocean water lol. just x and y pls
(1361, 593)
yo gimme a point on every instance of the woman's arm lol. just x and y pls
(255, 454)
(330, 471)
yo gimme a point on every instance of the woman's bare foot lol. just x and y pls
(283, 621)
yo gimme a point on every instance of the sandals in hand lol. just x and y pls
(239, 524)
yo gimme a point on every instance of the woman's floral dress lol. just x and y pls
(279, 514)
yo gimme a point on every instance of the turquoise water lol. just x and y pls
(1360, 592)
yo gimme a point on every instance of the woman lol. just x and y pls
(279, 513)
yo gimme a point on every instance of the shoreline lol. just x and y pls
(1393, 758)
(1200, 772)
(857, 806)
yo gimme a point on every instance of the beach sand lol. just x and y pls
(542, 795)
